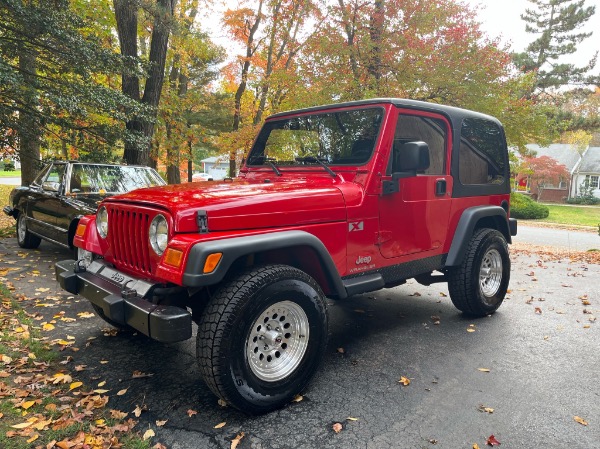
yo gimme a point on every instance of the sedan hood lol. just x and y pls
(243, 205)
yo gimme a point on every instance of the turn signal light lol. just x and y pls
(211, 262)
(80, 230)
(173, 257)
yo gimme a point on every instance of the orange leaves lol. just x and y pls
(580, 420)
(405, 381)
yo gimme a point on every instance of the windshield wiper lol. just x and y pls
(271, 164)
(319, 161)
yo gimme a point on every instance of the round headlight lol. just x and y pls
(159, 234)
(102, 222)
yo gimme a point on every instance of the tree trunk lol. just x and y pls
(237, 112)
(29, 140)
(138, 152)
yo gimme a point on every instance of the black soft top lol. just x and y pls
(454, 114)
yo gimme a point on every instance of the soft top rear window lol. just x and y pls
(335, 138)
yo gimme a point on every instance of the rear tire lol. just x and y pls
(26, 239)
(478, 285)
(262, 337)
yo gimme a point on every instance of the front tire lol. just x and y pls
(26, 239)
(262, 337)
(478, 285)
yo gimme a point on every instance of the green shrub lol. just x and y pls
(521, 206)
(586, 195)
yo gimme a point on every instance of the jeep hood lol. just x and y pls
(244, 205)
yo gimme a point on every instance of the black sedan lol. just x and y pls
(63, 192)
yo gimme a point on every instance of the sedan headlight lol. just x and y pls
(159, 234)
(102, 222)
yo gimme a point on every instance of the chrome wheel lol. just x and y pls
(277, 341)
(21, 228)
(490, 273)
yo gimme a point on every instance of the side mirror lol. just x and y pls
(51, 186)
(407, 160)
(412, 157)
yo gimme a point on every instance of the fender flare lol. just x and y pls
(467, 225)
(236, 247)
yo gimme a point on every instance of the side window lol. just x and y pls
(481, 155)
(55, 174)
(41, 176)
(432, 131)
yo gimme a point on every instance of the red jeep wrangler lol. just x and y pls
(332, 201)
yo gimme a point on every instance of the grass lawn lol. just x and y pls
(10, 174)
(573, 215)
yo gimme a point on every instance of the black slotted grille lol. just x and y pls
(128, 238)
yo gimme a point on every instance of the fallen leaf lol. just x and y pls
(161, 423)
(191, 412)
(148, 434)
(538, 310)
(298, 398)
(492, 441)
(138, 375)
(580, 420)
(475, 446)
(350, 418)
(222, 403)
(483, 370)
(404, 381)
(337, 427)
(340, 350)
(75, 385)
(220, 425)
(122, 392)
(47, 326)
(34, 437)
(236, 440)
(138, 411)
(23, 425)
(42, 289)
(85, 315)
(28, 404)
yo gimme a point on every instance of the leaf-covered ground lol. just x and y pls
(44, 404)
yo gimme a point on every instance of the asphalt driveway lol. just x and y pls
(535, 363)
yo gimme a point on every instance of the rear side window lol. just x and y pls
(481, 156)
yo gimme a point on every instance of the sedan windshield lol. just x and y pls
(334, 138)
(111, 179)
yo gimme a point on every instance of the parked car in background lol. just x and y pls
(196, 177)
(63, 192)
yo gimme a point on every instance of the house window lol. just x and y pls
(592, 181)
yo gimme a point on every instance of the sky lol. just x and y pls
(503, 18)
(499, 18)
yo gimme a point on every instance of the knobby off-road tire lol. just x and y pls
(478, 286)
(26, 239)
(262, 337)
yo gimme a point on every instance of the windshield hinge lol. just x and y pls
(202, 221)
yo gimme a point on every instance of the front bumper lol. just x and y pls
(125, 300)
(9, 211)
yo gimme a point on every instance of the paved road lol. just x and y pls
(543, 367)
(11, 181)
(559, 238)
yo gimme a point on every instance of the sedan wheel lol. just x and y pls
(26, 239)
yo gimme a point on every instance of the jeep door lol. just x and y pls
(43, 203)
(414, 219)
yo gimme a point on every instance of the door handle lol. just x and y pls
(440, 187)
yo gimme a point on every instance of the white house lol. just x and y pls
(217, 167)
(587, 169)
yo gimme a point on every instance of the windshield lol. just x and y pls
(111, 179)
(335, 138)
